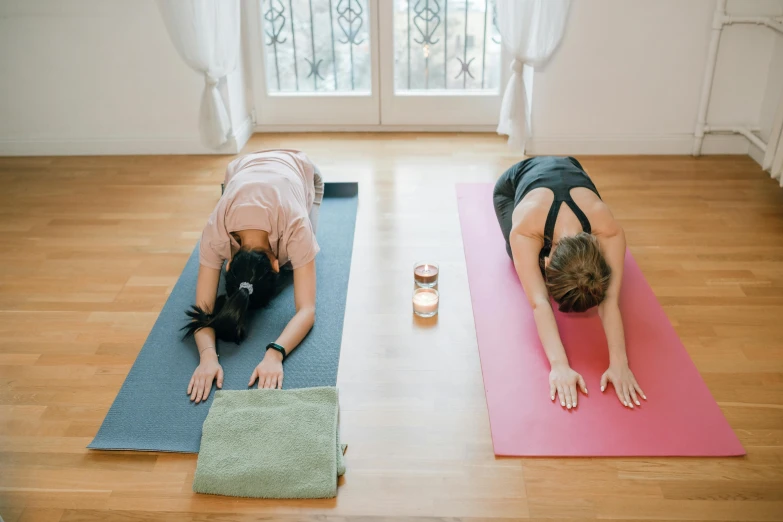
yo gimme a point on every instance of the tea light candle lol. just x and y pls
(425, 274)
(425, 302)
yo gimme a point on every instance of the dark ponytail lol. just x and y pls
(250, 283)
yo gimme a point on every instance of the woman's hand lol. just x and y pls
(269, 371)
(562, 382)
(621, 377)
(201, 383)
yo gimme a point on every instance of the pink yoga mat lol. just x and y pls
(680, 417)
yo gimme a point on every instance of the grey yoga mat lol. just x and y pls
(152, 411)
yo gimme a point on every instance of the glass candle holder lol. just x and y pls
(425, 274)
(425, 302)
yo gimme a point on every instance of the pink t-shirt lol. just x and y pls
(271, 191)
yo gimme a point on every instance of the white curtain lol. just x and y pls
(773, 159)
(206, 35)
(531, 31)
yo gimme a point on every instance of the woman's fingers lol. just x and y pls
(619, 392)
(206, 384)
(582, 385)
(634, 398)
(253, 377)
(268, 381)
(604, 381)
(190, 384)
(220, 377)
(639, 391)
(627, 396)
(572, 392)
(200, 388)
(561, 395)
(196, 390)
(552, 390)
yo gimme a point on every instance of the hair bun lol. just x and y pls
(577, 276)
(586, 280)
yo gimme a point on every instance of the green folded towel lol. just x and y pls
(271, 444)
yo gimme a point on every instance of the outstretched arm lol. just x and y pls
(208, 369)
(269, 372)
(619, 373)
(563, 380)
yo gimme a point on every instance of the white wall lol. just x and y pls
(98, 77)
(627, 77)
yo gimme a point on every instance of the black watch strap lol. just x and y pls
(275, 346)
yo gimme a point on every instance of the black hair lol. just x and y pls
(229, 318)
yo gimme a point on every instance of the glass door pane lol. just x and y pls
(440, 63)
(318, 62)
(317, 46)
(440, 44)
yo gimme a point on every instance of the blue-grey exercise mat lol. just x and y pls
(152, 412)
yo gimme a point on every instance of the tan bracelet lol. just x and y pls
(208, 348)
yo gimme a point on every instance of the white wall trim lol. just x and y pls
(628, 144)
(756, 154)
(242, 134)
(103, 147)
(621, 144)
(124, 146)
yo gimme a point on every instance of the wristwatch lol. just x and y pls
(277, 347)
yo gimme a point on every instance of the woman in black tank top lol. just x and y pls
(577, 263)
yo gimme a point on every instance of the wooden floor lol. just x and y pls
(91, 246)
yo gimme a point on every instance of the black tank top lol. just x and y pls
(560, 175)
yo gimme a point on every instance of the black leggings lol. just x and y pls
(504, 199)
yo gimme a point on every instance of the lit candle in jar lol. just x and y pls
(425, 274)
(425, 302)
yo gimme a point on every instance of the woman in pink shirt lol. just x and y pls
(265, 220)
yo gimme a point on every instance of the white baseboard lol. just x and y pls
(629, 144)
(620, 144)
(104, 147)
(756, 153)
(558, 145)
(242, 134)
(123, 146)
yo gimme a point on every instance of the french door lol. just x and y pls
(395, 63)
